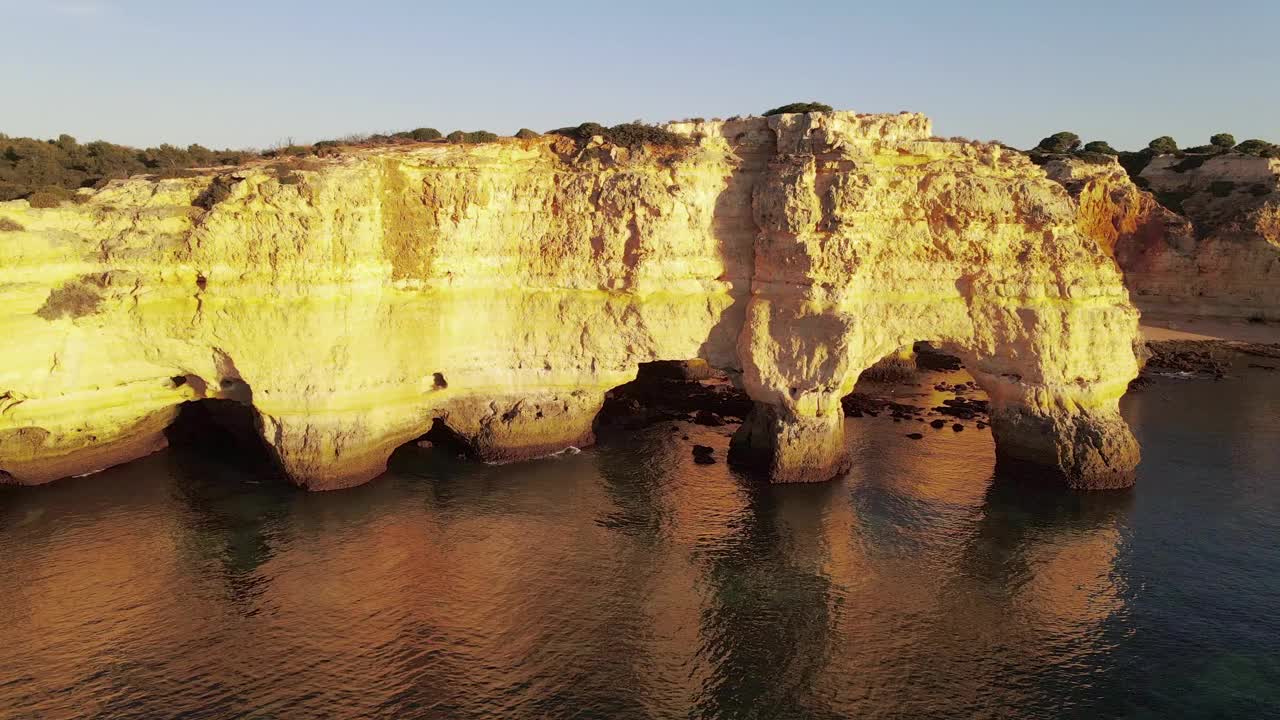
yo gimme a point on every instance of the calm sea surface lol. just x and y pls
(629, 582)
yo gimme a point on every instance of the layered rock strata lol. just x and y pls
(1201, 240)
(502, 289)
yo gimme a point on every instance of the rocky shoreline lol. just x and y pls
(1213, 359)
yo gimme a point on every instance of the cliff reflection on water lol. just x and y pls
(628, 581)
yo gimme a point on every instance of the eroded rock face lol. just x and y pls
(1217, 255)
(502, 289)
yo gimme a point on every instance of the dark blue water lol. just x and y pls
(629, 582)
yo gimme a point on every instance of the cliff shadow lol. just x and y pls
(734, 228)
(771, 606)
(1024, 518)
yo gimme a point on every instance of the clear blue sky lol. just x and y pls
(228, 73)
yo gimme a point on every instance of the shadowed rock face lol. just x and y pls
(502, 289)
(1217, 255)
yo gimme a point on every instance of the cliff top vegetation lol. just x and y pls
(1099, 151)
(632, 134)
(48, 169)
(798, 107)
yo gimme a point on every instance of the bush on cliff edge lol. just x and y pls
(1060, 142)
(1163, 145)
(632, 134)
(473, 137)
(1260, 148)
(1100, 146)
(1223, 140)
(799, 107)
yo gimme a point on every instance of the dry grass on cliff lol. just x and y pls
(75, 299)
(7, 225)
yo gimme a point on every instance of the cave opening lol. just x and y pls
(444, 438)
(226, 428)
(921, 384)
(674, 390)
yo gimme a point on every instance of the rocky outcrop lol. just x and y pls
(1205, 241)
(502, 289)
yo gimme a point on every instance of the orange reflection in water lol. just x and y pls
(623, 582)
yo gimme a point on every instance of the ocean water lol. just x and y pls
(628, 582)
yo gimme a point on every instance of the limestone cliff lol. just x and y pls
(1217, 255)
(502, 289)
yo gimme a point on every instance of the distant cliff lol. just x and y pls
(501, 289)
(1202, 238)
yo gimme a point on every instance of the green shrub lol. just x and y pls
(799, 107)
(583, 132)
(630, 135)
(1094, 158)
(476, 136)
(1260, 148)
(49, 197)
(1205, 150)
(1100, 146)
(527, 134)
(327, 148)
(28, 165)
(424, 134)
(1223, 140)
(1163, 145)
(7, 225)
(1059, 142)
(637, 134)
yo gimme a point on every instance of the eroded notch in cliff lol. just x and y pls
(226, 428)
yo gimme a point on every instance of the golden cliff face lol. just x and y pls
(1218, 255)
(502, 289)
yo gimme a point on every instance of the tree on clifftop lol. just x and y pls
(800, 107)
(1261, 148)
(1060, 142)
(1100, 146)
(1163, 145)
(1223, 140)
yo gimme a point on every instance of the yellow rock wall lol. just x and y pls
(503, 288)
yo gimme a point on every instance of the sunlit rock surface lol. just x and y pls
(502, 289)
(1205, 241)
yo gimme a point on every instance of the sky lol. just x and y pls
(227, 73)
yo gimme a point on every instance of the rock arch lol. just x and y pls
(863, 251)
(483, 285)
